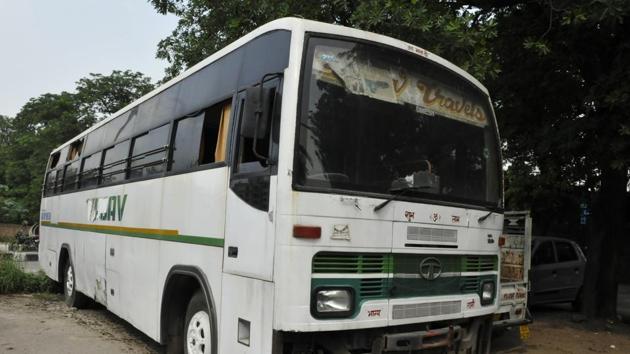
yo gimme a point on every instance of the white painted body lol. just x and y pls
(269, 283)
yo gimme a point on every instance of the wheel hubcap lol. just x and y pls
(198, 338)
(69, 281)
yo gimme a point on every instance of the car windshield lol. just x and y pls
(379, 120)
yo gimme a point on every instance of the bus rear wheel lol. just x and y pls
(198, 330)
(72, 297)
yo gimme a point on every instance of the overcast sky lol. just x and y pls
(47, 45)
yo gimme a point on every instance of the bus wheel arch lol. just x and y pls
(66, 266)
(182, 282)
(64, 257)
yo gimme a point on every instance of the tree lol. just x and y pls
(457, 32)
(48, 121)
(562, 99)
(102, 95)
(42, 124)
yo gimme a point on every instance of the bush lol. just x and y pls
(14, 280)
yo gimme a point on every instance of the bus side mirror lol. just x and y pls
(256, 112)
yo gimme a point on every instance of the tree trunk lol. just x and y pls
(607, 227)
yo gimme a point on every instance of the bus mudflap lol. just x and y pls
(446, 337)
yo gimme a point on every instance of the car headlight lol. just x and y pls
(487, 293)
(332, 302)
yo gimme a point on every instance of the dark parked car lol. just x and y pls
(557, 271)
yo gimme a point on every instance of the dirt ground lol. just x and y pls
(43, 324)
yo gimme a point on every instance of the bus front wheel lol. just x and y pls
(198, 326)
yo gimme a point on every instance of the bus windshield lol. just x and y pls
(376, 120)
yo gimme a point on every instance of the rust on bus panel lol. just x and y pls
(110, 208)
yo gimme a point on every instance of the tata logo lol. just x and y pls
(430, 268)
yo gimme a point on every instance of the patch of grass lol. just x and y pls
(14, 280)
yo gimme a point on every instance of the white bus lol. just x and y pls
(309, 188)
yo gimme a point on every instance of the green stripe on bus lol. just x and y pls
(157, 235)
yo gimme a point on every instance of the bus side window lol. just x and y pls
(201, 139)
(115, 163)
(90, 170)
(54, 160)
(251, 174)
(49, 186)
(59, 181)
(75, 150)
(149, 153)
(71, 178)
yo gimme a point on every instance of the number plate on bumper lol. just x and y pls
(437, 338)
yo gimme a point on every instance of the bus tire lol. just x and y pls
(72, 297)
(198, 326)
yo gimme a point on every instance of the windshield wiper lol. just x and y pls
(399, 193)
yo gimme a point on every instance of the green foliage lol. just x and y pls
(14, 280)
(459, 33)
(100, 96)
(48, 121)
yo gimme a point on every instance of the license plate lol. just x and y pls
(524, 331)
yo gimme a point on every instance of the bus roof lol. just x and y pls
(295, 25)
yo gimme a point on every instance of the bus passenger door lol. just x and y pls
(249, 229)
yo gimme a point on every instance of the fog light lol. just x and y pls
(487, 293)
(333, 302)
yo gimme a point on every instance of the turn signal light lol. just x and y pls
(313, 232)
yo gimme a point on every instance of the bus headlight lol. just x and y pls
(333, 302)
(487, 293)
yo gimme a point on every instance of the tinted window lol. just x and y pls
(544, 254)
(71, 179)
(49, 187)
(187, 142)
(566, 252)
(201, 139)
(247, 160)
(149, 153)
(90, 170)
(115, 163)
(59, 180)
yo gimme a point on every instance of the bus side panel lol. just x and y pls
(48, 243)
(87, 248)
(247, 309)
(194, 204)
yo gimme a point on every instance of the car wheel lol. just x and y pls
(72, 297)
(198, 326)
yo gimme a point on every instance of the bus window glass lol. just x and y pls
(149, 153)
(59, 180)
(247, 160)
(49, 187)
(187, 142)
(70, 180)
(201, 139)
(375, 120)
(115, 163)
(90, 169)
